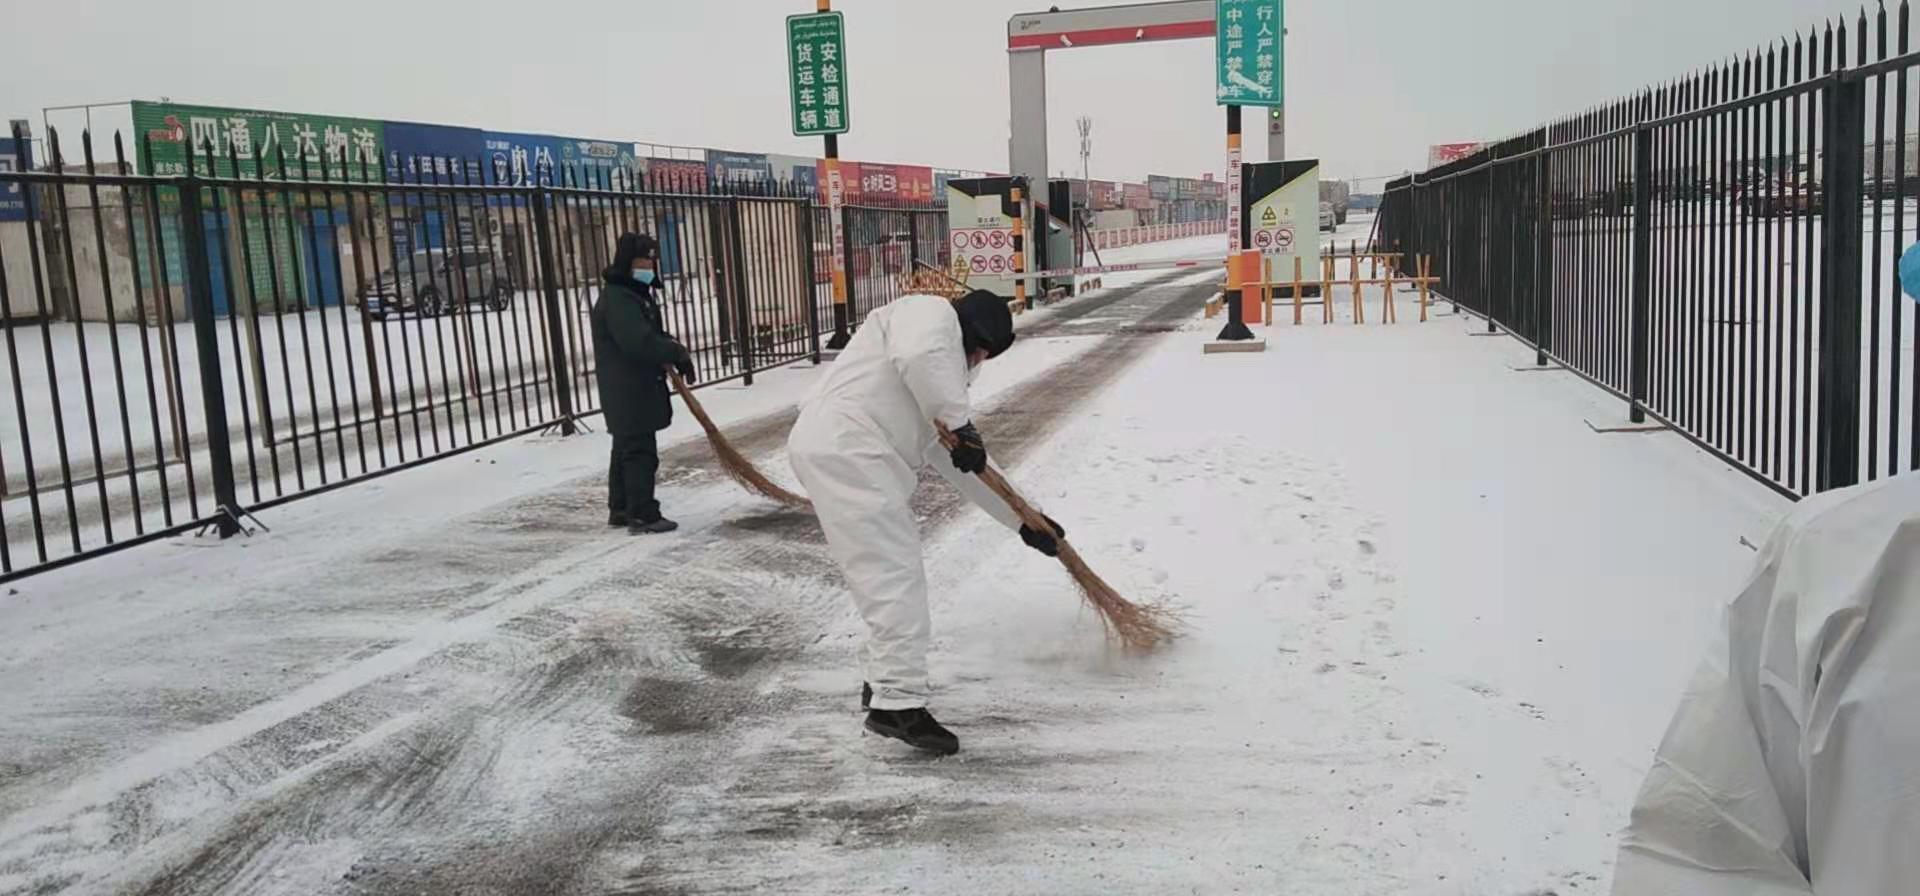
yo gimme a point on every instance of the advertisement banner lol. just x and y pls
(940, 179)
(521, 160)
(676, 175)
(13, 198)
(352, 148)
(426, 153)
(726, 166)
(800, 171)
(530, 160)
(915, 184)
(1106, 196)
(879, 182)
(1442, 153)
(1161, 188)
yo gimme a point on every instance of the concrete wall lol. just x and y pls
(16, 255)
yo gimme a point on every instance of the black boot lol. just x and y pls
(866, 695)
(914, 726)
(659, 525)
(617, 519)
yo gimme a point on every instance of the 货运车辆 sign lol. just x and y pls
(1247, 49)
(817, 69)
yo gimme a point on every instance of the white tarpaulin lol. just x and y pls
(1793, 763)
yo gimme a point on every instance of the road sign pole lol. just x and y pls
(838, 215)
(816, 62)
(1236, 329)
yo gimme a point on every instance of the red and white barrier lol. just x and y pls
(1122, 237)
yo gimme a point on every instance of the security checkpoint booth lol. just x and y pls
(987, 229)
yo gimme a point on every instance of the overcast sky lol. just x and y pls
(1370, 83)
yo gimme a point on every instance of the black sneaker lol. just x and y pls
(617, 519)
(916, 727)
(656, 526)
(866, 695)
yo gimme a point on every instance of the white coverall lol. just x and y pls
(863, 434)
(1793, 763)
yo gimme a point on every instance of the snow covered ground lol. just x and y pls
(1434, 628)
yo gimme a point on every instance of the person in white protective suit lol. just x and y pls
(863, 435)
(1793, 764)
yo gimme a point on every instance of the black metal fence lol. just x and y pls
(1721, 252)
(181, 351)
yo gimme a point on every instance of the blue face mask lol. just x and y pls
(644, 276)
(1910, 272)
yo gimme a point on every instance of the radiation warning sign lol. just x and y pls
(1270, 231)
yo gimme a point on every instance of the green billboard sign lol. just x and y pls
(1248, 39)
(817, 73)
(352, 148)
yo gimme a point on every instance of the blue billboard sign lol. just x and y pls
(426, 153)
(724, 166)
(13, 197)
(940, 179)
(529, 160)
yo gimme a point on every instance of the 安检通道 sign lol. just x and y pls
(1247, 47)
(817, 67)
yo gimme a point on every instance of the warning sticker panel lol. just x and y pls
(985, 249)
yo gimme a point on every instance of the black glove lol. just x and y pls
(970, 455)
(1044, 542)
(683, 364)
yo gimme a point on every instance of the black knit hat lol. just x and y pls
(985, 323)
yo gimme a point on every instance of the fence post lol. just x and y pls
(1543, 253)
(810, 269)
(913, 240)
(550, 299)
(1844, 139)
(738, 288)
(1640, 330)
(852, 307)
(206, 343)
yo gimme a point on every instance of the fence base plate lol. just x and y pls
(1613, 427)
(1222, 346)
(1535, 368)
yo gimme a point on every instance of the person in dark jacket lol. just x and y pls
(632, 352)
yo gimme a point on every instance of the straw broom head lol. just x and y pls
(736, 465)
(1136, 626)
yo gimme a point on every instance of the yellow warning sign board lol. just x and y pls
(1269, 218)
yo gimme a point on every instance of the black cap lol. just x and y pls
(985, 323)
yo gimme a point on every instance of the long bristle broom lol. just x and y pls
(1136, 626)
(738, 468)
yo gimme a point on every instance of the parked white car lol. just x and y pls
(1328, 221)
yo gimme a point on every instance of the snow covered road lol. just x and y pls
(1435, 627)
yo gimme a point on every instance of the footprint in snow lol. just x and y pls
(1481, 688)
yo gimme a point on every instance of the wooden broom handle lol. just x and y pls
(998, 484)
(693, 404)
